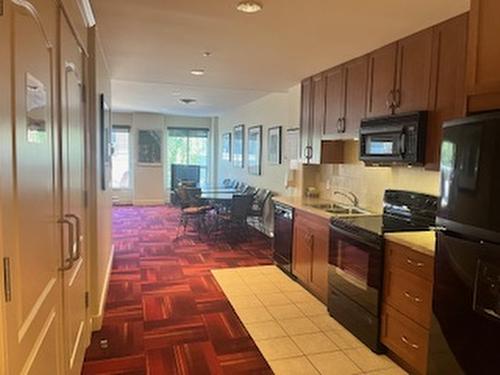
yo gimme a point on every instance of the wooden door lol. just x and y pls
(483, 56)
(73, 198)
(334, 100)
(447, 98)
(29, 192)
(318, 117)
(381, 83)
(356, 82)
(414, 72)
(305, 119)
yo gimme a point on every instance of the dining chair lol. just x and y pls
(192, 208)
(237, 216)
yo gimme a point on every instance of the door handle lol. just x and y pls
(67, 263)
(78, 235)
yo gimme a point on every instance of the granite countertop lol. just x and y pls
(304, 204)
(423, 242)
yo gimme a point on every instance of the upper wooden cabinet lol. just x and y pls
(483, 56)
(400, 75)
(305, 118)
(318, 118)
(447, 95)
(381, 80)
(346, 98)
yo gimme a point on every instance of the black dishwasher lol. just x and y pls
(283, 233)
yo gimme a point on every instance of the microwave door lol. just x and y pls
(389, 146)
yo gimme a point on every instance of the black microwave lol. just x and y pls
(396, 139)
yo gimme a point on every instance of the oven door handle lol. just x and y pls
(355, 237)
(402, 144)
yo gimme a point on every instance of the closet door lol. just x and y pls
(29, 195)
(76, 327)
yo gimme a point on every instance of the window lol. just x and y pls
(121, 157)
(188, 147)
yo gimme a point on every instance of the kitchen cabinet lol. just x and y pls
(310, 253)
(345, 92)
(447, 97)
(483, 56)
(312, 118)
(407, 304)
(400, 75)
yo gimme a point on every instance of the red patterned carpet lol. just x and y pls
(165, 313)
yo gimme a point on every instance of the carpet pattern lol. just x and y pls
(165, 313)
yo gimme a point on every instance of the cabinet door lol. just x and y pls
(302, 252)
(318, 117)
(448, 82)
(356, 81)
(381, 80)
(319, 258)
(483, 56)
(305, 119)
(335, 95)
(414, 72)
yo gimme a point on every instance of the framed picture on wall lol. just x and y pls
(149, 147)
(255, 150)
(274, 145)
(238, 145)
(226, 146)
(105, 145)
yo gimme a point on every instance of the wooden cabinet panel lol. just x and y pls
(409, 260)
(405, 338)
(301, 253)
(381, 80)
(318, 117)
(356, 81)
(335, 98)
(447, 98)
(305, 118)
(409, 294)
(483, 56)
(414, 72)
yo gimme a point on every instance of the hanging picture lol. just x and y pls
(238, 148)
(292, 142)
(226, 146)
(149, 147)
(274, 145)
(255, 150)
(105, 137)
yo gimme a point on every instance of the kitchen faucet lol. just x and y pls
(350, 196)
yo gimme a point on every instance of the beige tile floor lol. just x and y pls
(292, 329)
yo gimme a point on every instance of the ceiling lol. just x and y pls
(152, 45)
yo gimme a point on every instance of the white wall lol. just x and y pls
(148, 182)
(275, 109)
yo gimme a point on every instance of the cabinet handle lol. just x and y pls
(78, 236)
(407, 342)
(414, 263)
(412, 298)
(397, 98)
(389, 101)
(67, 263)
(339, 125)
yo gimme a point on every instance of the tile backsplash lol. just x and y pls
(369, 183)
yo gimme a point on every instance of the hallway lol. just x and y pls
(165, 314)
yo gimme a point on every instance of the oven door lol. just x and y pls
(383, 146)
(356, 267)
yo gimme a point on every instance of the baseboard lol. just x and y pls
(97, 319)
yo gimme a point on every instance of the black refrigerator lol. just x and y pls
(465, 331)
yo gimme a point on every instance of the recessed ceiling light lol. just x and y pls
(187, 101)
(207, 53)
(197, 72)
(249, 6)
(176, 93)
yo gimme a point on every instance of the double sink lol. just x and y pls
(338, 209)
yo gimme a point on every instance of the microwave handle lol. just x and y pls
(402, 144)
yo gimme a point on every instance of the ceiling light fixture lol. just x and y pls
(249, 6)
(207, 53)
(197, 72)
(187, 101)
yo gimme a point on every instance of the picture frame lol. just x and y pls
(255, 150)
(226, 146)
(149, 147)
(274, 145)
(105, 144)
(238, 146)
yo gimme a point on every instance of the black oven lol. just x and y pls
(397, 139)
(355, 275)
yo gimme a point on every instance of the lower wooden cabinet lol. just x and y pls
(407, 304)
(310, 252)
